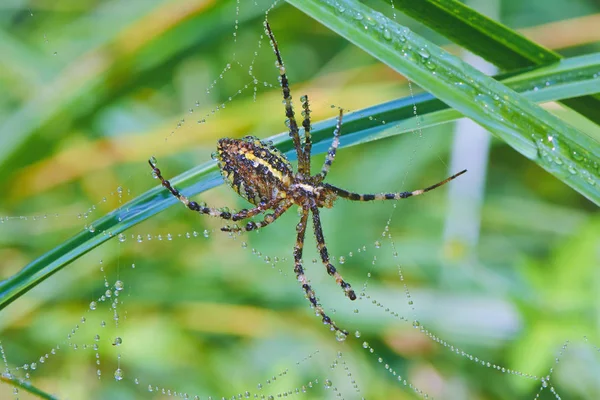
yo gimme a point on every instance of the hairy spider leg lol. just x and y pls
(322, 248)
(333, 149)
(287, 98)
(262, 207)
(268, 219)
(389, 196)
(192, 205)
(299, 270)
(307, 128)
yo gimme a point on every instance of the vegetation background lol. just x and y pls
(92, 89)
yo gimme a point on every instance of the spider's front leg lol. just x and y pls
(389, 196)
(269, 218)
(299, 270)
(333, 148)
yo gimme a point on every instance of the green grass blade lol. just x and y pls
(26, 386)
(491, 40)
(477, 33)
(556, 146)
(576, 78)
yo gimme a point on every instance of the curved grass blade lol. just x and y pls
(576, 78)
(26, 386)
(560, 149)
(491, 40)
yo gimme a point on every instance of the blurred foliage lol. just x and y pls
(92, 89)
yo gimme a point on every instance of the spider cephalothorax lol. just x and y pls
(259, 173)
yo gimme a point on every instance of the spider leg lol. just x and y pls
(325, 255)
(262, 207)
(269, 218)
(289, 110)
(307, 128)
(333, 149)
(192, 205)
(389, 196)
(299, 270)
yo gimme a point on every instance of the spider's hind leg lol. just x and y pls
(299, 270)
(192, 205)
(325, 255)
(269, 218)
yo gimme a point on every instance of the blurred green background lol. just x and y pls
(91, 89)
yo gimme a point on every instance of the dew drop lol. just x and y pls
(118, 374)
(340, 336)
(93, 305)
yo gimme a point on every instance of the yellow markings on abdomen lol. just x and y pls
(284, 178)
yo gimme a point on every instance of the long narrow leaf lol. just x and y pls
(576, 77)
(493, 41)
(479, 34)
(26, 386)
(556, 146)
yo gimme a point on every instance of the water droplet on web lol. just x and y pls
(340, 336)
(93, 305)
(118, 374)
(121, 237)
(327, 384)
(118, 341)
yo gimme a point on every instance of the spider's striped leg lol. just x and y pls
(192, 205)
(262, 207)
(325, 255)
(287, 98)
(389, 196)
(333, 149)
(269, 218)
(299, 270)
(307, 128)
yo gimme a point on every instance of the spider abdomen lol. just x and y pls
(255, 170)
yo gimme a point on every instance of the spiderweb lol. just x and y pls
(175, 308)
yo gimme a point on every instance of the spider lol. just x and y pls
(262, 175)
